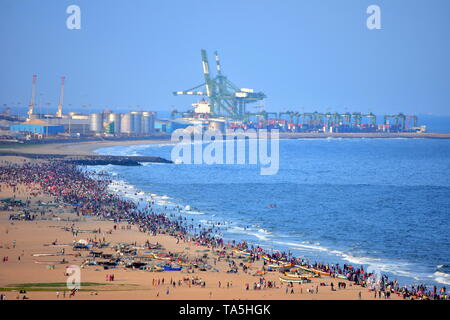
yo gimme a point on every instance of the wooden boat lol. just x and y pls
(161, 256)
(155, 269)
(51, 262)
(295, 280)
(48, 254)
(171, 268)
(245, 253)
(299, 276)
(259, 273)
(312, 270)
(278, 262)
(56, 245)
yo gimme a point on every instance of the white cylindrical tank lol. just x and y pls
(115, 118)
(96, 122)
(137, 122)
(126, 123)
(148, 122)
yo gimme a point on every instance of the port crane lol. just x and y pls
(399, 119)
(225, 98)
(371, 117)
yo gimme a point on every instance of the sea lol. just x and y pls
(380, 203)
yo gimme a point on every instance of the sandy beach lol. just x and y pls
(81, 148)
(43, 277)
(21, 239)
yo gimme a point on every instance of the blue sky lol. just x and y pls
(305, 55)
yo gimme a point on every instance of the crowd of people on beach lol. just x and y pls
(89, 195)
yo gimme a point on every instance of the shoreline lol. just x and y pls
(90, 222)
(86, 147)
(256, 261)
(75, 148)
(32, 236)
(405, 279)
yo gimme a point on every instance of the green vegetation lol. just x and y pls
(41, 289)
(53, 284)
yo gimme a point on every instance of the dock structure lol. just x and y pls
(221, 99)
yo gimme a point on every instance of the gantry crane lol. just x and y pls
(290, 114)
(408, 122)
(315, 118)
(372, 118)
(347, 117)
(400, 119)
(225, 98)
(357, 119)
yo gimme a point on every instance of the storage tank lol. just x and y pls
(137, 122)
(96, 122)
(126, 123)
(115, 118)
(148, 122)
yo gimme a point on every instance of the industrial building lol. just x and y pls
(37, 126)
(135, 123)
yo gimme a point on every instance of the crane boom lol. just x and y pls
(205, 65)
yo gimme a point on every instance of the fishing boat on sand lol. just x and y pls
(295, 280)
(312, 270)
(51, 262)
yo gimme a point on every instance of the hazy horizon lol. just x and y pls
(304, 55)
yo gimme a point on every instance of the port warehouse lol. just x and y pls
(37, 126)
(135, 123)
(141, 123)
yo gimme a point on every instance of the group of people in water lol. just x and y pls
(88, 194)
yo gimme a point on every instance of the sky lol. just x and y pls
(305, 55)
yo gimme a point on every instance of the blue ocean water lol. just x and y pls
(383, 203)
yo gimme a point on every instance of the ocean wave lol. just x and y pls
(145, 164)
(193, 212)
(373, 263)
(260, 234)
(442, 277)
